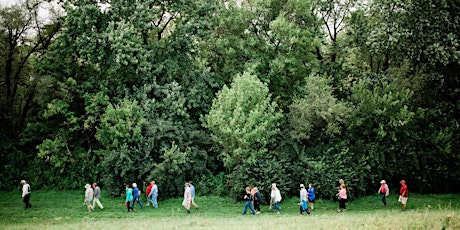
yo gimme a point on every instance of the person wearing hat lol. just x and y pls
(303, 199)
(26, 194)
(187, 197)
(276, 196)
(403, 194)
(89, 193)
(384, 191)
(97, 196)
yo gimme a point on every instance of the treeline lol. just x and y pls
(231, 93)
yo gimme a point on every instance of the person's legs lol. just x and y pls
(277, 206)
(246, 205)
(384, 200)
(98, 202)
(26, 200)
(154, 201)
(139, 202)
(252, 208)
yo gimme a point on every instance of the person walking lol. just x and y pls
(129, 197)
(26, 194)
(257, 200)
(311, 196)
(342, 195)
(97, 196)
(403, 194)
(187, 197)
(89, 193)
(303, 200)
(248, 198)
(276, 196)
(154, 194)
(384, 191)
(192, 190)
(136, 194)
(147, 194)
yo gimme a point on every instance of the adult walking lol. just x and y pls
(276, 196)
(257, 200)
(147, 194)
(129, 197)
(154, 194)
(384, 191)
(248, 198)
(342, 195)
(89, 194)
(136, 194)
(311, 196)
(303, 200)
(26, 194)
(403, 194)
(192, 190)
(97, 196)
(187, 197)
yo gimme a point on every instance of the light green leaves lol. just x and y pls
(242, 119)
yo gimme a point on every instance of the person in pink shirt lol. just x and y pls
(342, 195)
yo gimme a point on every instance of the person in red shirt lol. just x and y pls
(147, 192)
(403, 194)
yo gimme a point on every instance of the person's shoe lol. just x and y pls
(148, 204)
(188, 211)
(257, 212)
(338, 210)
(277, 212)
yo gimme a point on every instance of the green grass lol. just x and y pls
(65, 210)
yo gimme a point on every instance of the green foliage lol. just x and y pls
(242, 120)
(317, 114)
(120, 125)
(272, 167)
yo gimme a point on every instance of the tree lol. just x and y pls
(242, 120)
(24, 39)
(317, 114)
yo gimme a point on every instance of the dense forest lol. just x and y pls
(228, 93)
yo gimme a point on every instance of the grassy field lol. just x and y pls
(65, 210)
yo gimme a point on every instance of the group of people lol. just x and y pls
(133, 195)
(92, 197)
(252, 197)
(403, 193)
(189, 197)
(307, 199)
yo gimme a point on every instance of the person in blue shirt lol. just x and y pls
(154, 194)
(311, 196)
(136, 194)
(192, 190)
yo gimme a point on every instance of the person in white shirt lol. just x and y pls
(26, 194)
(276, 196)
(187, 197)
(303, 199)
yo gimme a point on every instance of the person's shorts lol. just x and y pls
(402, 200)
(311, 200)
(88, 202)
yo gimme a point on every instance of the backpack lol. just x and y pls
(383, 189)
